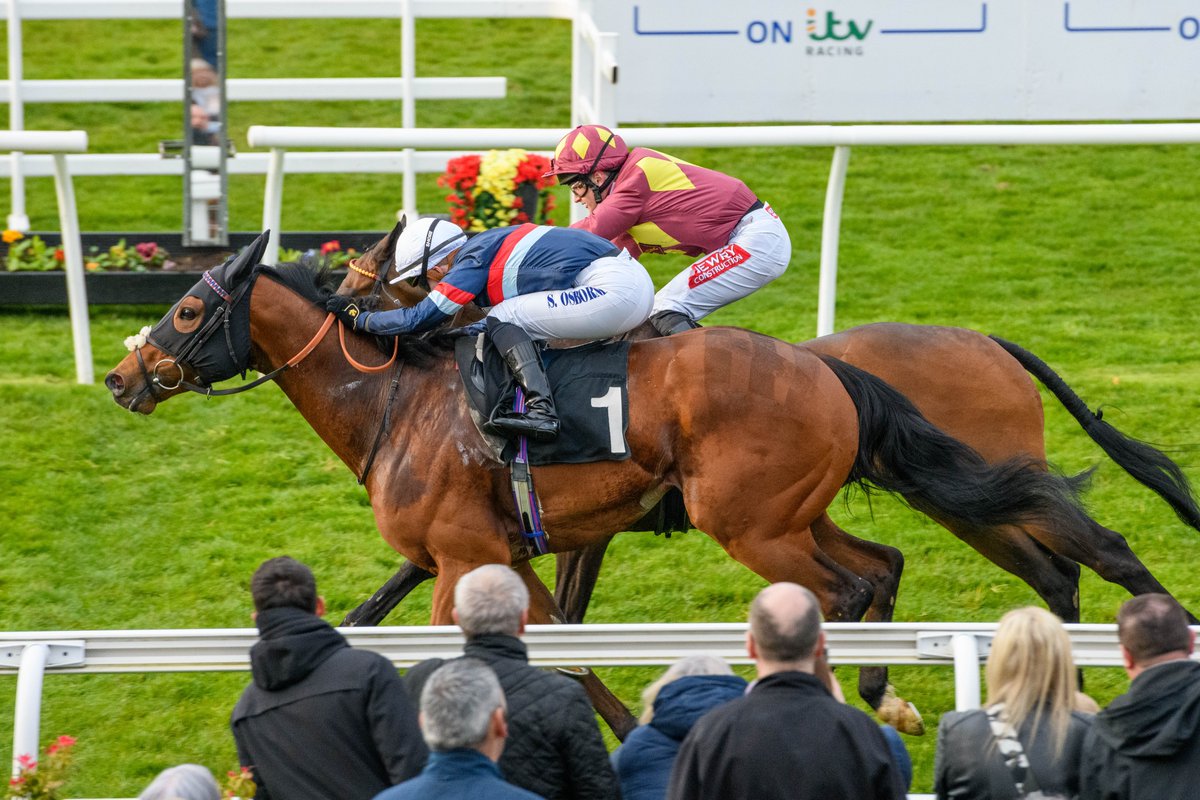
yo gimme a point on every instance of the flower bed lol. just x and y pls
(144, 268)
(502, 187)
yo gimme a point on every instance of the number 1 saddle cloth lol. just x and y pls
(588, 383)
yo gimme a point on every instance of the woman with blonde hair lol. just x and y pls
(688, 690)
(1027, 741)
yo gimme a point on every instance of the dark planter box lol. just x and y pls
(154, 287)
(103, 288)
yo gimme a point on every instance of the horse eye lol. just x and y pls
(187, 313)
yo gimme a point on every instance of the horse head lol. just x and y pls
(368, 278)
(200, 341)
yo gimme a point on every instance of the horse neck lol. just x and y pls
(344, 406)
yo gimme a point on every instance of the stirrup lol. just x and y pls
(668, 323)
(543, 430)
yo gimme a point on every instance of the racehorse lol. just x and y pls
(975, 387)
(759, 435)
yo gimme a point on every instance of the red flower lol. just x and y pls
(26, 761)
(330, 247)
(59, 255)
(146, 250)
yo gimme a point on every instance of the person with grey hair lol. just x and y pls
(184, 782)
(788, 737)
(1146, 744)
(554, 748)
(464, 723)
(689, 689)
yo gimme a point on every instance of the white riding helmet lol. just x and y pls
(426, 243)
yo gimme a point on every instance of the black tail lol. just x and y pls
(902, 452)
(1148, 466)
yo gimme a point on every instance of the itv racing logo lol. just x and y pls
(825, 33)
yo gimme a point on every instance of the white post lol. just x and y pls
(272, 204)
(28, 713)
(830, 230)
(966, 671)
(68, 222)
(18, 219)
(605, 91)
(408, 69)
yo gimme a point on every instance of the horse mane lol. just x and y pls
(315, 281)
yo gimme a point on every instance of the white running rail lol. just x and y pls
(59, 143)
(840, 137)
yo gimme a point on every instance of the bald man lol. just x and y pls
(788, 737)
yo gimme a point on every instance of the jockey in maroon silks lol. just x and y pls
(649, 202)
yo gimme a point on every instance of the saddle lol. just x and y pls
(589, 383)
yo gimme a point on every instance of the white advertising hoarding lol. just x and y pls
(904, 60)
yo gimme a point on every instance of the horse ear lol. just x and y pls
(389, 246)
(246, 260)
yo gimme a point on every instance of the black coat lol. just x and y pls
(1146, 744)
(969, 766)
(322, 719)
(788, 739)
(554, 747)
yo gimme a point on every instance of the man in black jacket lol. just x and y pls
(554, 747)
(1146, 744)
(788, 737)
(321, 719)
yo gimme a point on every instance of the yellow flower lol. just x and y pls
(92, 265)
(11, 236)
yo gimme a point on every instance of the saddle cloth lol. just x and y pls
(590, 395)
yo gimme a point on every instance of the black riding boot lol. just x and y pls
(540, 420)
(671, 322)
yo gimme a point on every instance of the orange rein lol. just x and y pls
(350, 358)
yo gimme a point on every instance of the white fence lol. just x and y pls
(593, 78)
(59, 143)
(964, 645)
(841, 138)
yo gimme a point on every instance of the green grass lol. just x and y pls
(109, 520)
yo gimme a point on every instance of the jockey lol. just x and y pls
(537, 282)
(649, 202)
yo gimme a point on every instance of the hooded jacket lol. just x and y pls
(322, 719)
(554, 747)
(1146, 744)
(643, 763)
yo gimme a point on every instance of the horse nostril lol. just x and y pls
(115, 383)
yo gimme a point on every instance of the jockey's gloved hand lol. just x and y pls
(473, 329)
(344, 308)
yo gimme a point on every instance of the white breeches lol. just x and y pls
(758, 252)
(609, 297)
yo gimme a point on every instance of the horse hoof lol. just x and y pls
(900, 714)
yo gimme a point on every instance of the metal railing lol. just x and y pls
(59, 143)
(839, 137)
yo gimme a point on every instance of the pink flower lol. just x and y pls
(66, 741)
(26, 762)
(147, 250)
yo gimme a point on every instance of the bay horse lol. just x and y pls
(759, 435)
(975, 387)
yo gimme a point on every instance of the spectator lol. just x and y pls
(1146, 744)
(788, 737)
(554, 747)
(688, 690)
(1031, 693)
(321, 719)
(184, 782)
(463, 721)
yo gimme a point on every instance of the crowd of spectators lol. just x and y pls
(321, 719)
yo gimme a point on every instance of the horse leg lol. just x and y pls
(380, 604)
(543, 609)
(576, 574)
(882, 566)
(1105, 552)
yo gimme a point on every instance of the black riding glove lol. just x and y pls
(345, 309)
